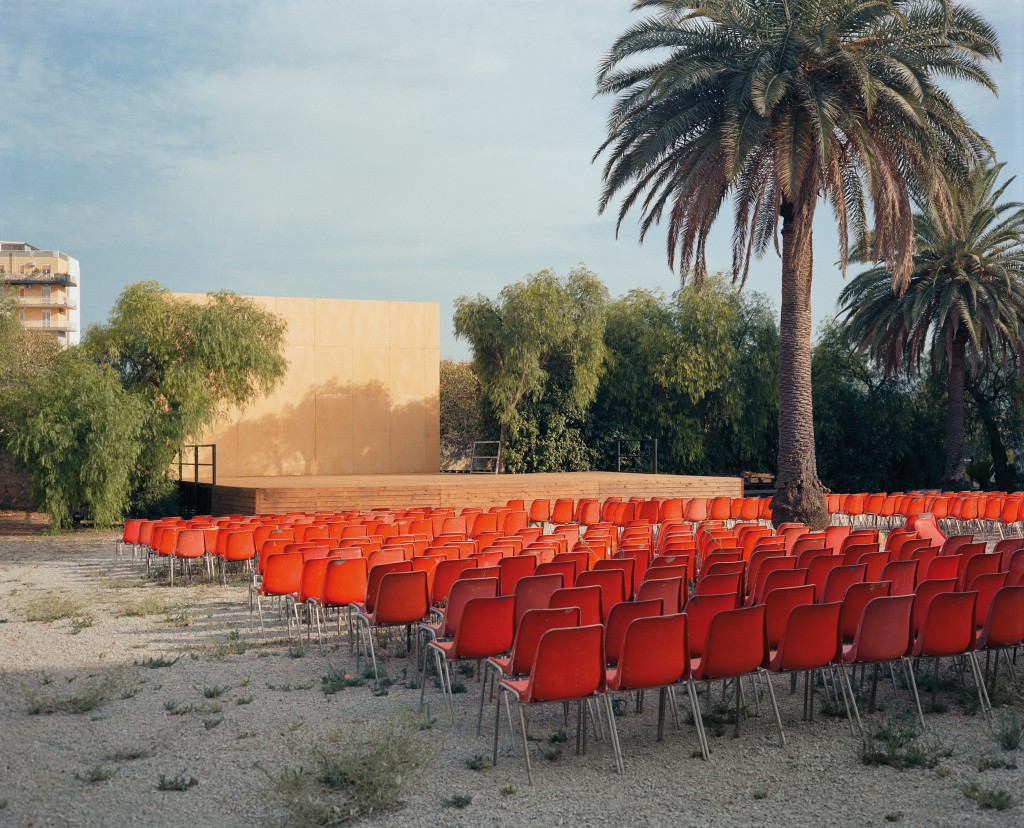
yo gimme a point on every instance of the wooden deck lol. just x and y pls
(254, 495)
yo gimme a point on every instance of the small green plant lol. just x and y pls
(244, 700)
(478, 763)
(508, 790)
(559, 737)
(996, 763)
(458, 686)
(943, 772)
(175, 707)
(337, 680)
(50, 607)
(79, 624)
(234, 644)
(288, 688)
(95, 774)
(215, 692)
(760, 794)
(91, 696)
(894, 816)
(128, 754)
(995, 798)
(296, 651)
(897, 744)
(213, 721)
(209, 707)
(457, 801)
(181, 782)
(467, 668)
(157, 662)
(1008, 730)
(553, 755)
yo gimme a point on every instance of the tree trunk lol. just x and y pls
(955, 476)
(799, 495)
(1005, 474)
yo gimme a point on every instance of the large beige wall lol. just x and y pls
(360, 397)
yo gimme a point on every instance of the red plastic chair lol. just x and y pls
(620, 617)
(1004, 625)
(447, 620)
(670, 591)
(778, 604)
(281, 578)
(485, 630)
(189, 545)
(373, 578)
(534, 592)
(986, 586)
(566, 569)
(588, 599)
(809, 642)
(402, 600)
(653, 656)
(311, 590)
(924, 593)
(768, 566)
(839, 580)
(345, 587)
(941, 568)
(612, 584)
(700, 609)
(569, 666)
(978, 565)
(902, 575)
(656, 572)
(882, 637)
(514, 569)
(240, 545)
(854, 602)
(948, 630)
(734, 647)
(626, 566)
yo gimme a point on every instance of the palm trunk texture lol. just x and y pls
(955, 475)
(799, 495)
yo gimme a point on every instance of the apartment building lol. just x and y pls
(46, 284)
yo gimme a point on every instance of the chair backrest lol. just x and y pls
(719, 584)
(670, 591)
(611, 582)
(902, 575)
(923, 595)
(311, 585)
(1015, 569)
(941, 567)
(534, 592)
(190, 543)
(976, 565)
(778, 604)
(700, 609)
(345, 582)
(241, 546)
(986, 586)
(952, 544)
(562, 511)
(463, 591)
(566, 569)
(810, 638)
(853, 603)
(656, 572)
(1006, 549)
(533, 624)
(818, 570)
(626, 566)
(735, 643)
(513, 569)
(884, 631)
(445, 575)
(587, 598)
(282, 574)
(619, 618)
(376, 574)
(569, 664)
(841, 579)
(402, 598)
(1004, 626)
(653, 652)
(721, 567)
(486, 628)
(949, 625)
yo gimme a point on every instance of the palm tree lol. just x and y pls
(963, 303)
(769, 104)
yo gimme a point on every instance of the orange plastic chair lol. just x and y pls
(882, 637)
(448, 620)
(986, 586)
(840, 579)
(700, 609)
(659, 572)
(766, 566)
(513, 569)
(854, 602)
(486, 629)
(778, 604)
(948, 630)
(189, 544)
(373, 578)
(670, 591)
(653, 656)
(924, 593)
(624, 565)
(534, 592)
(619, 619)
(566, 569)
(1004, 625)
(345, 587)
(588, 599)
(809, 642)
(719, 585)
(734, 647)
(902, 575)
(281, 578)
(569, 666)
(780, 579)
(402, 600)
(563, 510)
(240, 546)
(445, 575)
(612, 584)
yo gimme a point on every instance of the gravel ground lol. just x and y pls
(267, 713)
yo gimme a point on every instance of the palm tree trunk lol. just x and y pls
(798, 494)
(955, 476)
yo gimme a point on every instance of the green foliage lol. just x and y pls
(698, 371)
(79, 433)
(186, 362)
(538, 350)
(461, 396)
(995, 798)
(23, 353)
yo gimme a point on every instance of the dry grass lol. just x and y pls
(50, 606)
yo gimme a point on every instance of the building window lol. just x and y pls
(21, 293)
(46, 293)
(46, 318)
(21, 316)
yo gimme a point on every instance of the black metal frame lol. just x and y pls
(196, 495)
(618, 451)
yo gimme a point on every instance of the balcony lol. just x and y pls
(38, 278)
(52, 302)
(58, 326)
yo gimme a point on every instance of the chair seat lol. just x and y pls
(517, 686)
(502, 663)
(612, 679)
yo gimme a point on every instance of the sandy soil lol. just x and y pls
(233, 710)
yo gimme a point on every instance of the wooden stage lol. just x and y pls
(255, 495)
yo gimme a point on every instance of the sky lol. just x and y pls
(415, 150)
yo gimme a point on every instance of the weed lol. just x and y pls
(457, 801)
(174, 708)
(209, 707)
(212, 722)
(297, 651)
(363, 777)
(287, 688)
(97, 773)
(1008, 730)
(995, 798)
(337, 680)
(943, 772)
(156, 662)
(760, 794)
(234, 644)
(79, 624)
(177, 783)
(508, 790)
(182, 619)
(141, 607)
(88, 699)
(215, 692)
(244, 700)
(368, 672)
(296, 725)
(553, 755)
(129, 754)
(996, 763)
(246, 734)
(458, 686)
(50, 607)
(897, 744)
(894, 816)
(467, 668)
(619, 707)
(559, 737)
(936, 707)
(479, 763)
(131, 692)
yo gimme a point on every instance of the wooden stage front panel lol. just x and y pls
(255, 495)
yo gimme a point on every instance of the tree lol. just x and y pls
(542, 336)
(963, 304)
(186, 362)
(23, 353)
(462, 416)
(769, 105)
(78, 433)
